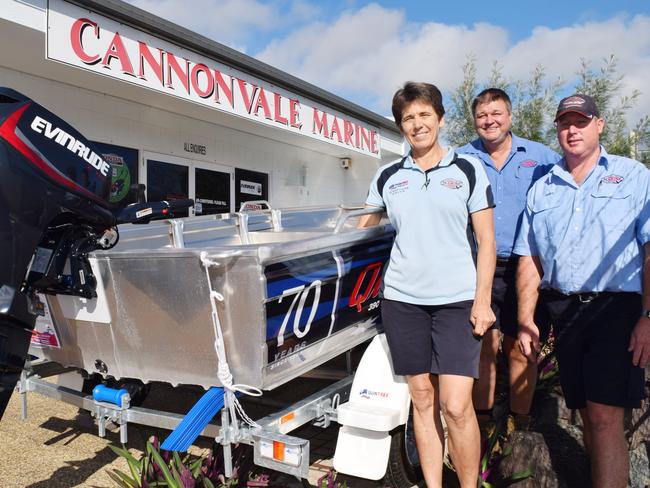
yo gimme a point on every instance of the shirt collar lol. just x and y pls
(446, 160)
(480, 151)
(517, 143)
(603, 160)
(560, 169)
(479, 148)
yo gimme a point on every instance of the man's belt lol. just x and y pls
(506, 260)
(585, 296)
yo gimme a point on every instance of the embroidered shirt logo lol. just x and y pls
(529, 163)
(452, 183)
(612, 179)
(398, 187)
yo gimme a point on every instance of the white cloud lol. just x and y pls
(227, 21)
(375, 50)
(368, 53)
(300, 10)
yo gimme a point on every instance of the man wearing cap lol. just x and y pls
(585, 241)
(512, 164)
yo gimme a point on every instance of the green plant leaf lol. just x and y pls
(157, 458)
(122, 452)
(175, 473)
(146, 463)
(136, 471)
(522, 475)
(515, 478)
(178, 462)
(135, 466)
(118, 480)
(207, 483)
(125, 479)
(195, 467)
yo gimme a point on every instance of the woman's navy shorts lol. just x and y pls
(436, 339)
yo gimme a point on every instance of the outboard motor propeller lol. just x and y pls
(54, 190)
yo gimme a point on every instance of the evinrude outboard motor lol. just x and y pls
(54, 189)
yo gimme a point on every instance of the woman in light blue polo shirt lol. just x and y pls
(437, 287)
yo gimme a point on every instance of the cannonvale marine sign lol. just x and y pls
(90, 41)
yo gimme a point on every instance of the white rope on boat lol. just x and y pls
(223, 372)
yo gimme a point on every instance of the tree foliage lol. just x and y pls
(533, 106)
(535, 99)
(460, 124)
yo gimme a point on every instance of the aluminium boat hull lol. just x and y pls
(299, 287)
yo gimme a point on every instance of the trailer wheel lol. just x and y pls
(403, 469)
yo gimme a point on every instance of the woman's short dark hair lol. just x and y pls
(416, 91)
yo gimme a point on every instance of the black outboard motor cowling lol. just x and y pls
(54, 189)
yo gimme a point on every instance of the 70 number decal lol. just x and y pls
(366, 288)
(300, 296)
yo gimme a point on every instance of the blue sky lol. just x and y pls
(521, 16)
(363, 51)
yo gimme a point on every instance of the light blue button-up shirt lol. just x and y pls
(589, 238)
(431, 261)
(528, 161)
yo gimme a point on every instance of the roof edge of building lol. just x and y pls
(136, 17)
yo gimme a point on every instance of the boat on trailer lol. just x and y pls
(299, 286)
(248, 301)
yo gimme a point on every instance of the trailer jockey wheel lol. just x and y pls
(403, 469)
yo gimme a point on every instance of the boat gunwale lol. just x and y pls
(267, 251)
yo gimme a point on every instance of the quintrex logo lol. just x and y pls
(61, 137)
(452, 183)
(398, 187)
(529, 163)
(612, 179)
(366, 393)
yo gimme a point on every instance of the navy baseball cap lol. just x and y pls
(578, 103)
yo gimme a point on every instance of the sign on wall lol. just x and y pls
(90, 41)
(250, 188)
(250, 185)
(124, 167)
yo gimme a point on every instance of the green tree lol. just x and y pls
(458, 118)
(533, 106)
(534, 101)
(603, 86)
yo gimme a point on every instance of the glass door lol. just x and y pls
(212, 189)
(173, 178)
(168, 181)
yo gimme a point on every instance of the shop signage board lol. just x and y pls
(88, 40)
(250, 188)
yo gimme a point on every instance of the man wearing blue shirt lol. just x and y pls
(585, 241)
(512, 164)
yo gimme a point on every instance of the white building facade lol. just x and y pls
(186, 116)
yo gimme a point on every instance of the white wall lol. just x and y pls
(297, 176)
